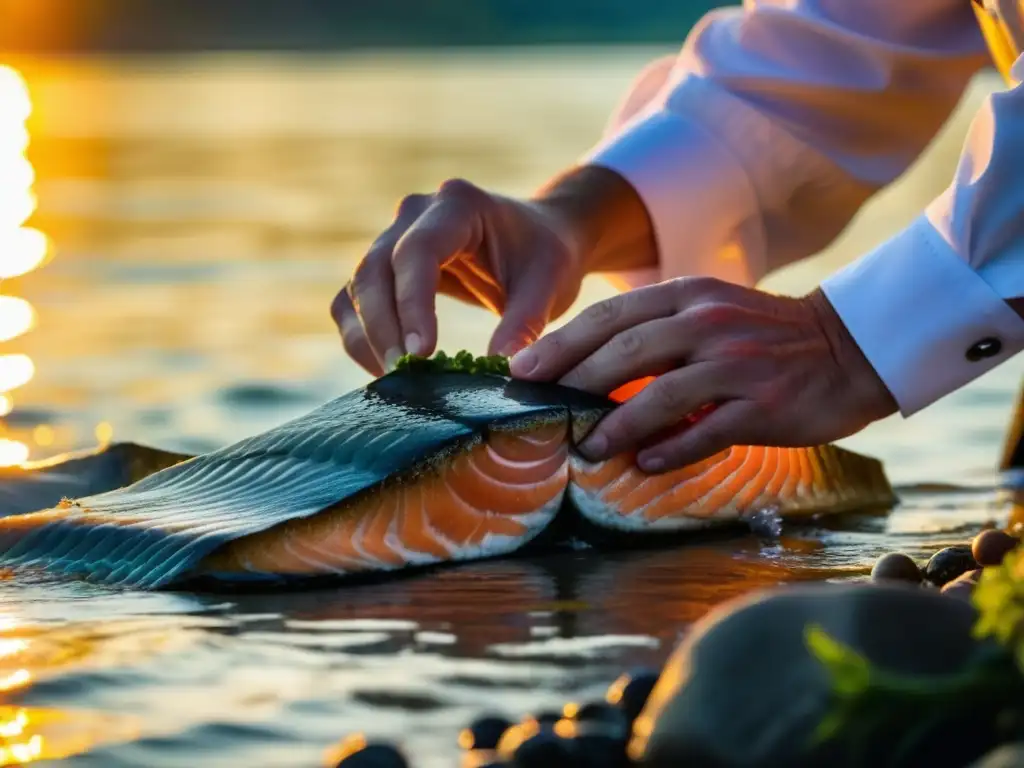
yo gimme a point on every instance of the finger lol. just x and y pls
(450, 226)
(660, 405)
(372, 291)
(554, 355)
(648, 349)
(726, 426)
(527, 310)
(352, 336)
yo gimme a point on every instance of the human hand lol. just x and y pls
(777, 371)
(517, 258)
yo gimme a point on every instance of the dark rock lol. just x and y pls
(598, 717)
(602, 751)
(743, 689)
(962, 587)
(542, 719)
(990, 547)
(484, 732)
(373, 755)
(896, 566)
(631, 691)
(1006, 756)
(546, 749)
(946, 564)
(514, 736)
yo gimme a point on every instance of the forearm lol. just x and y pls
(756, 145)
(607, 221)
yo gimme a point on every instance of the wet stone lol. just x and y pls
(990, 547)
(545, 749)
(896, 566)
(726, 698)
(946, 564)
(542, 719)
(484, 732)
(374, 755)
(600, 751)
(631, 691)
(598, 717)
(962, 587)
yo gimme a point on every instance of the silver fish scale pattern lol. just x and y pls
(150, 533)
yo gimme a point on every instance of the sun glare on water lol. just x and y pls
(22, 248)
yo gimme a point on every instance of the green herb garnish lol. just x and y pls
(461, 362)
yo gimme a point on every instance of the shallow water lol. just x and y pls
(203, 212)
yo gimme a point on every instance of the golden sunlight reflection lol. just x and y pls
(16, 317)
(28, 735)
(15, 371)
(22, 248)
(12, 681)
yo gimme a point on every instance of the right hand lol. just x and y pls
(515, 257)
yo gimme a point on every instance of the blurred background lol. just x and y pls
(185, 184)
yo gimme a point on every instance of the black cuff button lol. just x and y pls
(987, 347)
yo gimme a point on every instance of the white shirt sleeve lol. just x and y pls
(757, 143)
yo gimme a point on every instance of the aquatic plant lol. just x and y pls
(865, 698)
(999, 598)
(461, 362)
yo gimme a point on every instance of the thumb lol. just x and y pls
(526, 314)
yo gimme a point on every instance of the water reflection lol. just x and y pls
(22, 248)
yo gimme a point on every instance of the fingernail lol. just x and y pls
(510, 350)
(651, 463)
(391, 357)
(524, 362)
(412, 344)
(594, 447)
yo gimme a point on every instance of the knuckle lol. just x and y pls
(707, 316)
(628, 344)
(412, 205)
(687, 290)
(664, 394)
(603, 313)
(460, 189)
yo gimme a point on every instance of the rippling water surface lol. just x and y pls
(200, 215)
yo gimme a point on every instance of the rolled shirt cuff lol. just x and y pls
(702, 205)
(926, 321)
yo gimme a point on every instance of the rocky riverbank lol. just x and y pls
(917, 667)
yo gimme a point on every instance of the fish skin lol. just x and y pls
(157, 531)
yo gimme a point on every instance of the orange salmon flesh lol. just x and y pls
(503, 489)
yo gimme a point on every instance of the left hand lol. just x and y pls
(779, 371)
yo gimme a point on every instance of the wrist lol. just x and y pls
(601, 219)
(863, 386)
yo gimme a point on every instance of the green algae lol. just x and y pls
(461, 362)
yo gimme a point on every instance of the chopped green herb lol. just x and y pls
(461, 362)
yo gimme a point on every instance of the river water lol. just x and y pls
(200, 215)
